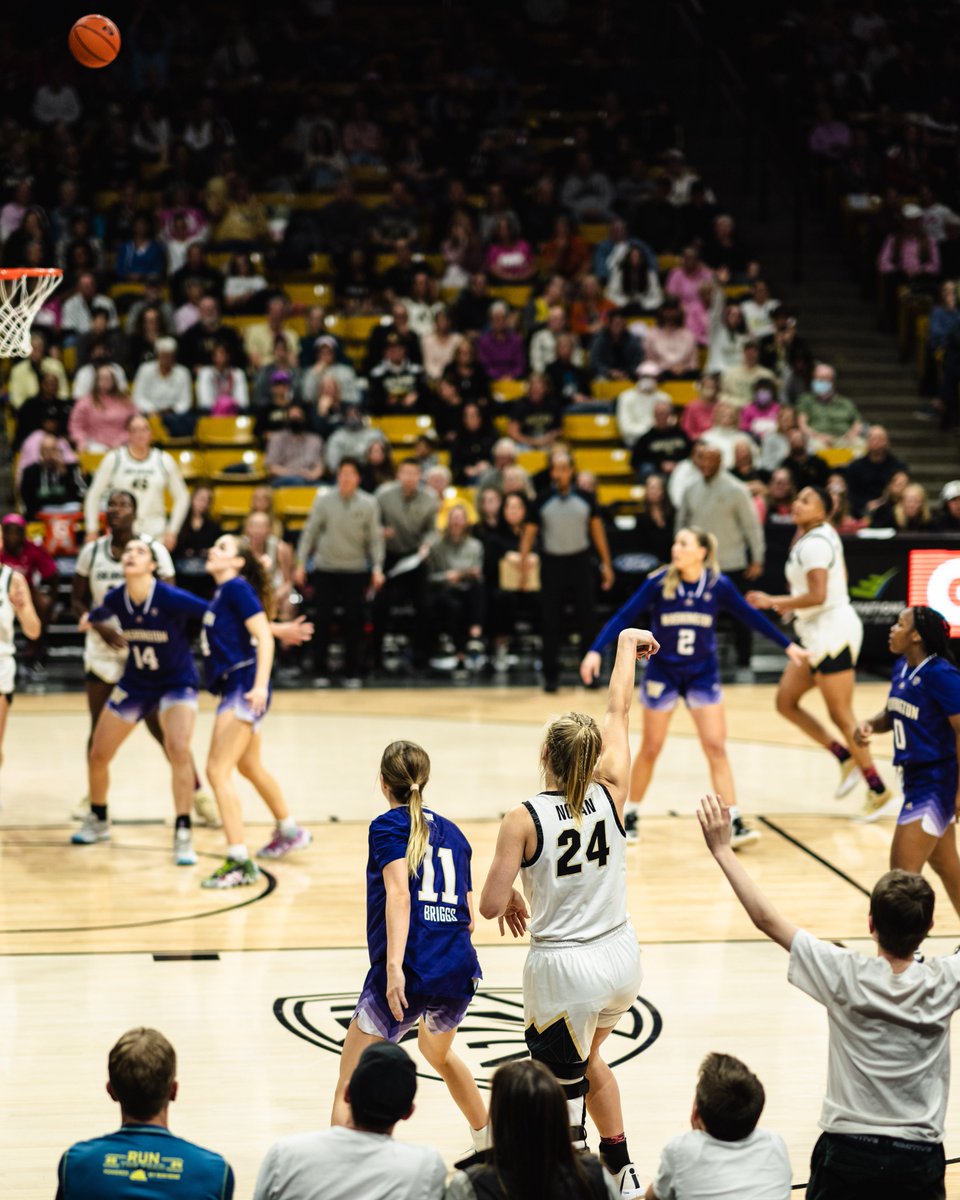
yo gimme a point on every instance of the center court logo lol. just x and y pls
(491, 1033)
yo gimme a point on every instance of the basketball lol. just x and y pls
(94, 41)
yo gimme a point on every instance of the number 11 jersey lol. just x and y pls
(576, 881)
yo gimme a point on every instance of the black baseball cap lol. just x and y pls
(383, 1085)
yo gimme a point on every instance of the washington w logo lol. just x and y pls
(491, 1033)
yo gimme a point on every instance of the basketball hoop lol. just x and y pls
(23, 292)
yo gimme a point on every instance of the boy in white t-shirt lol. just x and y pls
(888, 1065)
(724, 1155)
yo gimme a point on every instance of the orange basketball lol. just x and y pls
(94, 41)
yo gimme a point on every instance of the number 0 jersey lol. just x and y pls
(921, 701)
(160, 658)
(439, 959)
(576, 881)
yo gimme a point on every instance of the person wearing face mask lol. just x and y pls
(737, 382)
(351, 439)
(635, 405)
(759, 418)
(826, 417)
(294, 455)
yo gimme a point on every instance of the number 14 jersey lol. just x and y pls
(576, 881)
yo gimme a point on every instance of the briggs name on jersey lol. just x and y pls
(440, 913)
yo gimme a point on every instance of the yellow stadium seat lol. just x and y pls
(666, 262)
(321, 264)
(247, 465)
(225, 431)
(403, 430)
(232, 504)
(359, 327)
(608, 389)
(400, 454)
(373, 199)
(89, 461)
(501, 423)
(621, 495)
(69, 359)
(836, 456)
(190, 462)
(307, 294)
(593, 235)
(384, 262)
(505, 390)
(533, 461)
(680, 391)
(516, 295)
(292, 504)
(590, 427)
(604, 462)
(161, 435)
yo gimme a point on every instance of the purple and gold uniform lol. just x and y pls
(685, 627)
(922, 699)
(229, 652)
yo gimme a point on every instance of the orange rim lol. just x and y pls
(35, 272)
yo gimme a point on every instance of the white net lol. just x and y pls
(22, 295)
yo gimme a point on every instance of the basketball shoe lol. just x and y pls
(850, 776)
(231, 874)
(184, 854)
(741, 834)
(92, 830)
(631, 822)
(282, 843)
(878, 806)
(81, 810)
(206, 809)
(628, 1183)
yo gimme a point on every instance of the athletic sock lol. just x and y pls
(840, 753)
(734, 813)
(614, 1152)
(239, 852)
(288, 826)
(874, 782)
(99, 811)
(183, 822)
(481, 1138)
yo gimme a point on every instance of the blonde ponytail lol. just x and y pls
(572, 745)
(711, 564)
(405, 769)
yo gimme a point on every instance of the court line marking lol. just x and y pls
(824, 862)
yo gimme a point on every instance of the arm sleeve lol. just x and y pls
(98, 489)
(641, 599)
(165, 568)
(732, 602)
(387, 844)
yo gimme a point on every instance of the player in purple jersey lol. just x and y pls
(683, 601)
(238, 644)
(923, 713)
(159, 674)
(423, 967)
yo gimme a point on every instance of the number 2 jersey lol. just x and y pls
(686, 626)
(921, 701)
(576, 881)
(439, 959)
(160, 658)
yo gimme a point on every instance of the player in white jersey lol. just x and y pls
(569, 846)
(98, 571)
(15, 603)
(829, 629)
(149, 474)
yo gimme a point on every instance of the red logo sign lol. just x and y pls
(934, 579)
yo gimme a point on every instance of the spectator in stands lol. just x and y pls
(568, 379)
(176, 238)
(504, 454)
(146, 331)
(536, 421)
(243, 223)
(362, 138)
(243, 287)
(944, 336)
(50, 482)
(589, 312)
(199, 530)
(697, 215)
(868, 475)
(727, 253)
(142, 1079)
(259, 340)
(568, 523)
(543, 343)
(165, 387)
(100, 334)
(721, 505)
(439, 344)
(198, 343)
(99, 419)
(776, 347)
(396, 282)
(654, 530)
(273, 416)
(457, 597)
(613, 250)
(396, 218)
(142, 256)
(758, 310)
(351, 439)
(99, 357)
(615, 352)
(566, 253)
(779, 529)
(806, 469)
(829, 139)
(663, 445)
(840, 516)
(55, 101)
(282, 360)
(471, 310)
(760, 416)
(587, 192)
(657, 220)
(197, 268)
(497, 206)
(906, 509)
(326, 365)
(509, 258)
(948, 519)
(78, 309)
(471, 450)
(634, 284)
(276, 556)
(188, 314)
(799, 379)
(343, 539)
(725, 433)
(38, 409)
(40, 570)
(25, 375)
(635, 404)
(724, 1152)
(294, 455)
(397, 385)
(422, 304)
(908, 256)
(500, 350)
(728, 335)
(221, 387)
(316, 327)
(698, 415)
(689, 282)
(399, 326)
(738, 382)
(377, 467)
(360, 1158)
(462, 252)
(745, 470)
(826, 417)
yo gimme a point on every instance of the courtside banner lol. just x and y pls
(933, 578)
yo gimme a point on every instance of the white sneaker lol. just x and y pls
(850, 776)
(92, 830)
(206, 809)
(628, 1183)
(878, 806)
(81, 810)
(184, 854)
(741, 834)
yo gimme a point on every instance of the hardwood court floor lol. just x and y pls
(96, 939)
